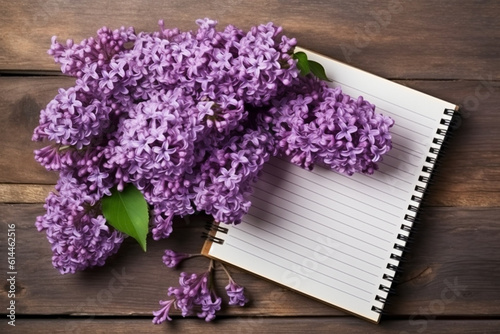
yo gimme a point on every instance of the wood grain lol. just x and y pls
(24, 193)
(452, 249)
(397, 39)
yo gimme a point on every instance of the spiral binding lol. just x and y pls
(404, 238)
(212, 228)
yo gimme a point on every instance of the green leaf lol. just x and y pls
(127, 211)
(318, 70)
(302, 63)
(307, 66)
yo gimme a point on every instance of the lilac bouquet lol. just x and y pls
(185, 121)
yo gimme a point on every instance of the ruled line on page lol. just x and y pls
(372, 188)
(387, 163)
(425, 135)
(409, 134)
(394, 177)
(398, 157)
(408, 150)
(393, 115)
(395, 133)
(404, 151)
(364, 208)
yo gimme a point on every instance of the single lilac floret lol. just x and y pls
(172, 259)
(236, 294)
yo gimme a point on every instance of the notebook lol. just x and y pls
(336, 238)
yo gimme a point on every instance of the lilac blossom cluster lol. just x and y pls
(78, 233)
(189, 118)
(315, 124)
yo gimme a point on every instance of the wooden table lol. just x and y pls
(447, 49)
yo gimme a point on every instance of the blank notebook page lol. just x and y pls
(331, 236)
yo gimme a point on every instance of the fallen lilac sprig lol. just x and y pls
(196, 292)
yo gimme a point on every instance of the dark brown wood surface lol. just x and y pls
(451, 279)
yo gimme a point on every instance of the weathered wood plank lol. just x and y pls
(469, 174)
(453, 270)
(247, 325)
(397, 39)
(24, 193)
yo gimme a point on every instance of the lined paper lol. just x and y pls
(331, 236)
